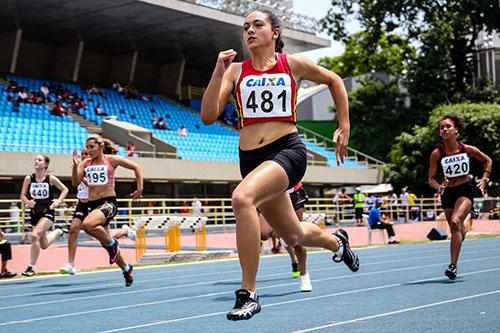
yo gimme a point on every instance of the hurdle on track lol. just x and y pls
(171, 227)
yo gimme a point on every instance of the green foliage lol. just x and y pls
(391, 54)
(409, 156)
(373, 108)
(445, 32)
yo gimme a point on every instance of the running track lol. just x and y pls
(398, 289)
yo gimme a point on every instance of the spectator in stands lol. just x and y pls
(22, 96)
(196, 207)
(37, 98)
(403, 197)
(98, 110)
(162, 125)
(341, 199)
(6, 252)
(45, 91)
(414, 209)
(58, 110)
(154, 121)
(182, 131)
(377, 221)
(359, 205)
(130, 149)
(392, 198)
(13, 87)
(185, 208)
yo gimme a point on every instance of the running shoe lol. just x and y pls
(245, 307)
(113, 251)
(451, 272)
(67, 269)
(305, 283)
(128, 276)
(29, 271)
(131, 234)
(7, 275)
(295, 270)
(350, 258)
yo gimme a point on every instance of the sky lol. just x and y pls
(319, 10)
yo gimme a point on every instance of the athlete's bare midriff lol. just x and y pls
(453, 182)
(99, 192)
(260, 134)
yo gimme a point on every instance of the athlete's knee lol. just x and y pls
(240, 200)
(455, 223)
(35, 237)
(293, 240)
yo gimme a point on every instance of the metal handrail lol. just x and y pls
(329, 141)
(220, 213)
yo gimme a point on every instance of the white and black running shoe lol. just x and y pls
(245, 306)
(451, 272)
(350, 258)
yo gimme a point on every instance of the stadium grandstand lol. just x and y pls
(117, 68)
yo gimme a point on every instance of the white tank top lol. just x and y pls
(83, 191)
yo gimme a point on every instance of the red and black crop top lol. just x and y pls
(269, 95)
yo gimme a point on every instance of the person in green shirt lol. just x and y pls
(359, 204)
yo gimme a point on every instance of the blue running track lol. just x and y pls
(398, 289)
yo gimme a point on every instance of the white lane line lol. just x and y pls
(128, 328)
(394, 253)
(260, 276)
(230, 292)
(414, 308)
(209, 282)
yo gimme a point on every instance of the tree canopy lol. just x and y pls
(445, 32)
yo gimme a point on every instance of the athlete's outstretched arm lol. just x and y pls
(61, 187)
(128, 164)
(487, 165)
(219, 89)
(305, 69)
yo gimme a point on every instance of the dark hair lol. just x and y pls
(457, 120)
(275, 23)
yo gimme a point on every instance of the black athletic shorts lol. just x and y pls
(451, 194)
(299, 198)
(108, 206)
(288, 151)
(41, 211)
(81, 210)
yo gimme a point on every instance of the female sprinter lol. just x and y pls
(272, 157)
(99, 170)
(452, 157)
(81, 212)
(37, 194)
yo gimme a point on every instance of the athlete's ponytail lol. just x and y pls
(275, 24)
(108, 149)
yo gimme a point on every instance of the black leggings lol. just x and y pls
(386, 226)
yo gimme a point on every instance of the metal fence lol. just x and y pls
(15, 218)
